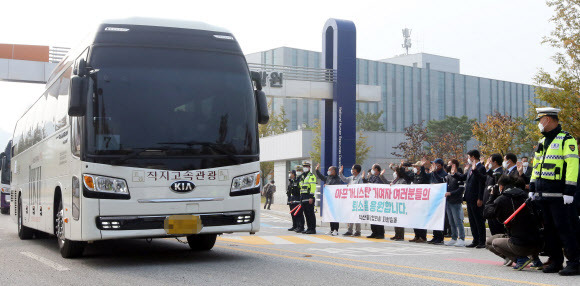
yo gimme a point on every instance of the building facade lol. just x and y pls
(414, 88)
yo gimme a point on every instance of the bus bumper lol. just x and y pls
(116, 227)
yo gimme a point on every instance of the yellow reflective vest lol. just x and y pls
(557, 162)
(308, 184)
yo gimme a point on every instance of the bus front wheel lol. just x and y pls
(201, 242)
(23, 231)
(68, 248)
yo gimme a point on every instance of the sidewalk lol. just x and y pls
(283, 211)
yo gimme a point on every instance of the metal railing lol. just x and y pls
(56, 54)
(296, 73)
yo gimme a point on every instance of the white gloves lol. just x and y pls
(531, 196)
(568, 199)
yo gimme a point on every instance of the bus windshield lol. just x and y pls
(181, 102)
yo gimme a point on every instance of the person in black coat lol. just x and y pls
(421, 178)
(454, 208)
(401, 179)
(376, 176)
(293, 193)
(523, 231)
(494, 162)
(474, 178)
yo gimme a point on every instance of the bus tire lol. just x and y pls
(24, 232)
(201, 242)
(4, 210)
(68, 248)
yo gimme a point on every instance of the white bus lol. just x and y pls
(5, 179)
(148, 130)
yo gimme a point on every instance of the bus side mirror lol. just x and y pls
(81, 68)
(256, 78)
(263, 115)
(77, 103)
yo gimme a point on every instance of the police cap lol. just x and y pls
(543, 111)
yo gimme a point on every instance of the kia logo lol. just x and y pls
(182, 186)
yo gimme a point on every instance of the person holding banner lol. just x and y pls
(402, 178)
(331, 179)
(356, 178)
(307, 191)
(376, 177)
(421, 178)
(438, 175)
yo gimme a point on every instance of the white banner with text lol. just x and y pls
(412, 206)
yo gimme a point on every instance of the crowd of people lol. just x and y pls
(528, 205)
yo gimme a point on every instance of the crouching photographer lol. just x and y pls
(522, 241)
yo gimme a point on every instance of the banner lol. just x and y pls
(412, 206)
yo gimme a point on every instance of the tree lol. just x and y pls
(276, 125)
(361, 152)
(316, 142)
(412, 148)
(498, 134)
(448, 138)
(369, 121)
(565, 83)
(529, 134)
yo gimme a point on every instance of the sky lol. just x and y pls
(496, 39)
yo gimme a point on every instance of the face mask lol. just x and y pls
(525, 164)
(415, 170)
(504, 164)
(289, 176)
(298, 173)
(395, 175)
(373, 172)
(306, 170)
(329, 173)
(541, 127)
(469, 161)
(488, 166)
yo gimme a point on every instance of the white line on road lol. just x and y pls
(45, 261)
(276, 240)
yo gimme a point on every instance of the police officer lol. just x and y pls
(293, 194)
(553, 184)
(307, 191)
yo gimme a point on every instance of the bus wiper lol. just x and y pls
(216, 147)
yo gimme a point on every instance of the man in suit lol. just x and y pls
(509, 165)
(474, 178)
(494, 163)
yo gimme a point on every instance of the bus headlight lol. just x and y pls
(103, 187)
(246, 185)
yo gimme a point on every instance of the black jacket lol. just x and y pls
(490, 181)
(523, 229)
(513, 173)
(376, 180)
(293, 191)
(329, 180)
(474, 183)
(454, 187)
(422, 177)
